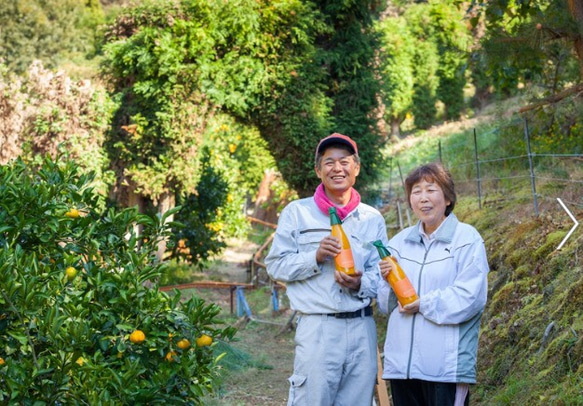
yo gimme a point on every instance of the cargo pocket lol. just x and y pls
(309, 240)
(296, 383)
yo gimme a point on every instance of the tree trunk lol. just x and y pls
(395, 127)
(579, 50)
(134, 199)
(576, 9)
(166, 202)
(264, 208)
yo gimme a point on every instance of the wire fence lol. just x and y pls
(492, 179)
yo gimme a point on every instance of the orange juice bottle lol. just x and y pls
(344, 261)
(397, 278)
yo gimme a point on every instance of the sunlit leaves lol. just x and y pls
(66, 340)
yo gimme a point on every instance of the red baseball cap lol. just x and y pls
(336, 138)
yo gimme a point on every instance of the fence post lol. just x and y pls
(401, 177)
(478, 170)
(405, 192)
(440, 157)
(390, 177)
(242, 306)
(274, 299)
(532, 178)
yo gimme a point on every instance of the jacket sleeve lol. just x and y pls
(466, 297)
(284, 261)
(371, 280)
(386, 299)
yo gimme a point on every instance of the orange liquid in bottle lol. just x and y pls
(344, 261)
(397, 278)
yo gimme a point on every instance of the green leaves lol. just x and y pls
(65, 339)
(50, 30)
(530, 42)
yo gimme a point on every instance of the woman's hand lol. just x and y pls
(410, 308)
(386, 267)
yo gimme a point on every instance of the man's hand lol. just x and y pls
(329, 248)
(349, 281)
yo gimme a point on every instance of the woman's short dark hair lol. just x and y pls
(435, 173)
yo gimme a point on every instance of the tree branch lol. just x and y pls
(553, 98)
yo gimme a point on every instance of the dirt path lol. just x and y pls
(264, 383)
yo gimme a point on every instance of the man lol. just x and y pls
(335, 358)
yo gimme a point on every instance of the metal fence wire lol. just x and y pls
(494, 178)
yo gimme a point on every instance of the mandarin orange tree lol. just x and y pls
(68, 340)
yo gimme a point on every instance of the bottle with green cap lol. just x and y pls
(397, 278)
(344, 261)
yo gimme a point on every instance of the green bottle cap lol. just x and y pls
(334, 219)
(383, 251)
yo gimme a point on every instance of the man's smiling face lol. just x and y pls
(338, 170)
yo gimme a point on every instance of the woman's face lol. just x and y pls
(429, 204)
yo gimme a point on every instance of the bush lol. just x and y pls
(198, 236)
(75, 286)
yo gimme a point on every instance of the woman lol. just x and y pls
(431, 344)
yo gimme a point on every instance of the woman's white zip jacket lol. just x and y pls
(440, 342)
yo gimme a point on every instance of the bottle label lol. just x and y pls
(404, 288)
(344, 259)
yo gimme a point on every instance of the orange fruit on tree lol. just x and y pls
(170, 356)
(72, 213)
(183, 344)
(71, 273)
(204, 340)
(2, 361)
(137, 337)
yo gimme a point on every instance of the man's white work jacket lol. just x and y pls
(439, 343)
(311, 287)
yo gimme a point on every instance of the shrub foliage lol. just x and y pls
(64, 332)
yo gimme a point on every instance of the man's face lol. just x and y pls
(337, 170)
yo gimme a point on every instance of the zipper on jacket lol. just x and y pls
(415, 315)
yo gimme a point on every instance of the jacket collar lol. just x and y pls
(444, 234)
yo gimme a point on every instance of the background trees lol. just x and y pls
(423, 61)
(397, 67)
(59, 32)
(266, 79)
(311, 66)
(191, 103)
(536, 46)
(539, 42)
